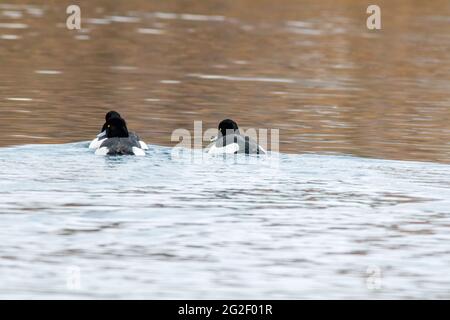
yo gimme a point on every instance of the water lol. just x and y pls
(311, 69)
(164, 226)
(356, 205)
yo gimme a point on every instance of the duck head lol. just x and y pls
(116, 128)
(228, 126)
(108, 116)
(112, 114)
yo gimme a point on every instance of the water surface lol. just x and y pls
(164, 226)
(311, 69)
(361, 183)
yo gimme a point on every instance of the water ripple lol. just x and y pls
(168, 226)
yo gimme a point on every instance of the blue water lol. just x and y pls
(173, 226)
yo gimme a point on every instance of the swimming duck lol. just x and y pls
(229, 141)
(96, 143)
(118, 141)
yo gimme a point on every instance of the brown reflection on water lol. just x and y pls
(308, 68)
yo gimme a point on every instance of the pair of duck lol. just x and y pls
(115, 139)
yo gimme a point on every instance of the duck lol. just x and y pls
(118, 141)
(96, 143)
(230, 141)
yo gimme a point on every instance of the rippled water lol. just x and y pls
(343, 215)
(166, 226)
(309, 68)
